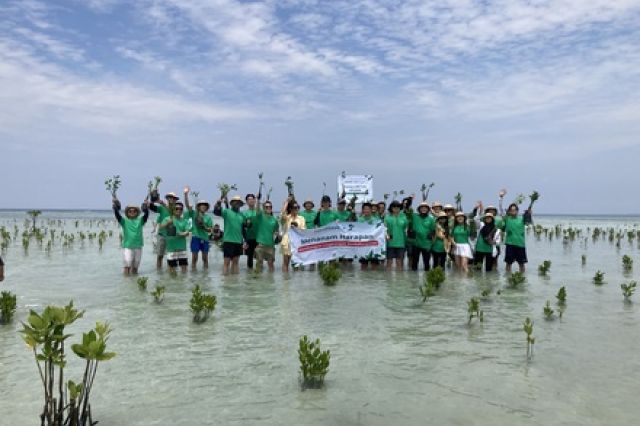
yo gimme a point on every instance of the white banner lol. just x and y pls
(350, 240)
(359, 185)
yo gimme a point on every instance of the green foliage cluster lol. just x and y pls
(330, 273)
(202, 304)
(433, 279)
(7, 307)
(314, 363)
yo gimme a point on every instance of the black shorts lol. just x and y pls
(366, 261)
(175, 262)
(395, 252)
(232, 249)
(515, 254)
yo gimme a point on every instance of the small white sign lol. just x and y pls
(359, 185)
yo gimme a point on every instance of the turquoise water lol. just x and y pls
(394, 359)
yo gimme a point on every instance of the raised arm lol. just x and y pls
(217, 208)
(501, 195)
(116, 210)
(145, 211)
(187, 204)
(528, 217)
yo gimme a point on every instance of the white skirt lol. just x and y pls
(464, 250)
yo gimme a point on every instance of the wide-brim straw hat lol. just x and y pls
(436, 204)
(308, 201)
(136, 208)
(490, 208)
(441, 215)
(237, 198)
(424, 204)
(448, 207)
(171, 194)
(460, 214)
(203, 202)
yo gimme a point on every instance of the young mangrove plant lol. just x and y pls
(543, 269)
(113, 184)
(289, 184)
(433, 279)
(7, 307)
(598, 278)
(515, 279)
(548, 311)
(65, 403)
(330, 273)
(158, 294)
(314, 363)
(584, 259)
(627, 263)
(225, 188)
(142, 283)
(202, 304)
(562, 296)
(528, 329)
(473, 309)
(627, 289)
(33, 214)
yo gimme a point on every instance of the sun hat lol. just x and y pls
(308, 201)
(490, 207)
(203, 202)
(448, 207)
(172, 194)
(237, 198)
(441, 215)
(129, 207)
(459, 214)
(436, 204)
(424, 204)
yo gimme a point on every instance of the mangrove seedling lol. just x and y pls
(45, 335)
(584, 259)
(330, 273)
(473, 309)
(598, 278)
(519, 199)
(543, 269)
(225, 188)
(627, 263)
(548, 311)
(627, 289)
(458, 200)
(533, 198)
(425, 190)
(432, 281)
(562, 296)
(112, 184)
(516, 278)
(289, 184)
(528, 329)
(485, 293)
(202, 304)
(34, 214)
(142, 283)
(314, 363)
(7, 307)
(269, 193)
(158, 294)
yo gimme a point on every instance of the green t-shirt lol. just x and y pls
(424, 228)
(177, 243)
(132, 232)
(163, 214)
(371, 220)
(251, 231)
(460, 234)
(196, 231)
(327, 217)
(343, 216)
(233, 222)
(514, 230)
(266, 225)
(482, 246)
(309, 217)
(396, 228)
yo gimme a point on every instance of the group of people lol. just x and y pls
(432, 233)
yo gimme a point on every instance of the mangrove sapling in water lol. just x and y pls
(158, 294)
(112, 184)
(627, 289)
(473, 309)
(598, 278)
(142, 283)
(45, 335)
(314, 363)
(485, 293)
(7, 307)
(543, 269)
(528, 329)
(515, 279)
(34, 214)
(562, 296)
(584, 259)
(548, 311)
(202, 304)
(330, 273)
(627, 263)
(432, 281)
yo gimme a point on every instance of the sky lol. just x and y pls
(474, 96)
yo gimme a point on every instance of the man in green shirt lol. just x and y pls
(368, 218)
(201, 226)
(132, 238)
(164, 210)
(308, 213)
(396, 224)
(266, 232)
(249, 216)
(424, 226)
(325, 214)
(234, 233)
(514, 227)
(342, 213)
(177, 230)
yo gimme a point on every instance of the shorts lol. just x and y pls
(198, 244)
(132, 257)
(267, 253)
(366, 261)
(395, 252)
(176, 258)
(232, 250)
(515, 254)
(161, 245)
(464, 250)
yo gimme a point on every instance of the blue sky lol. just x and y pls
(471, 95)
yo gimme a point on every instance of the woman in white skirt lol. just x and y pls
(461, 248)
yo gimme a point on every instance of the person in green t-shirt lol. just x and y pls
(201, 226)
(441, 241)
(499, 224)
(325, 214)
(461, 247)
(233, 241)
(342, 213)
(368, 218)
(132, 238)
(424, 226)
(266, 233)
(514, 227)
(164, 210)
(308, 213)
(381, 207)
(396, 224)
(177, 230)
(486, 242)
(250, 230)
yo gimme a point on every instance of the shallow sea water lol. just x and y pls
(394, 360)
